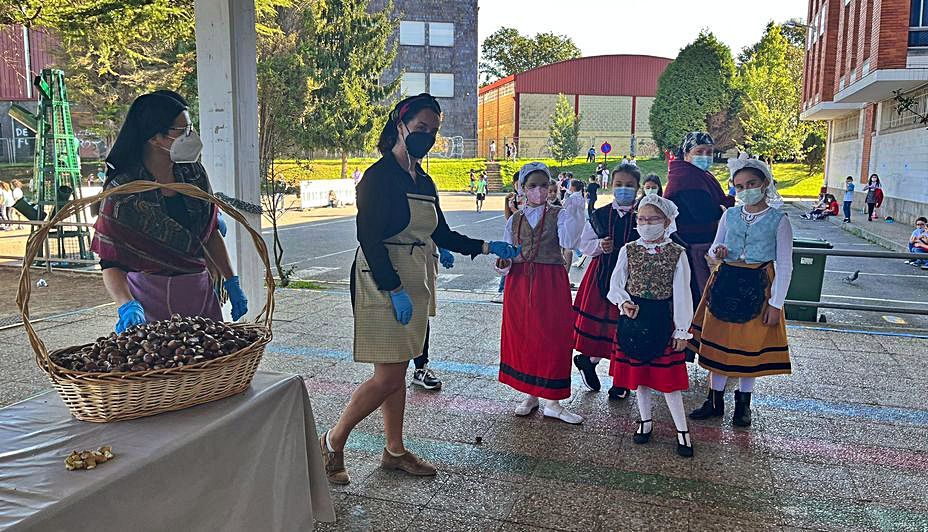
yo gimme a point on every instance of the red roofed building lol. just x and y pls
(612, 93)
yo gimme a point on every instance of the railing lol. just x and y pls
(863, 255)
(47, 259)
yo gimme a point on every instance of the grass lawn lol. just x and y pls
(793, 179)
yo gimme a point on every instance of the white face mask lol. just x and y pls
(651, 232)
(186, 148)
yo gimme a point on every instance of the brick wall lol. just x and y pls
(606, 114)
(890, 35)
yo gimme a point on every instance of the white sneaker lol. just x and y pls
(527, 406)
(557, 411)
(498, 298)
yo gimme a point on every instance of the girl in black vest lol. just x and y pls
(610, 227)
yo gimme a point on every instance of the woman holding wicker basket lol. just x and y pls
(161, 251)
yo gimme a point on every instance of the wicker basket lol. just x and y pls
(104, 397)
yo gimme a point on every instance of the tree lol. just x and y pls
(352, 49)
(506, 52)
(814, 148)
(564, 131)
(771, 82)
(695, 86)
(283, 91)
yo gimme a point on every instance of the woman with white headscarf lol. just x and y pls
(651, 286)
(739, 329)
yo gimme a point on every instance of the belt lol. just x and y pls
(412, 245)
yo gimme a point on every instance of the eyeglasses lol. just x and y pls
(188, 129)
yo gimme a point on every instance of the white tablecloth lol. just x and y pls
(249, 462)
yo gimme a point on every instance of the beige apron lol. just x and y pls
(378, 337)
(433, 277)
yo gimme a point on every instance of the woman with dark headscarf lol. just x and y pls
(398, 216)
(160, 251)
(699, 196)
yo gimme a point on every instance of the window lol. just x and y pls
(846, 128)
(441, 85)
(824, 20)
(412, 33)
(918, 15)
(412, 83)
(441, 34)
(909, 118)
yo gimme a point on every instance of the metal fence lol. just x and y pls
(863, 255)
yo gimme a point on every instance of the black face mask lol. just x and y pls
(418, 143)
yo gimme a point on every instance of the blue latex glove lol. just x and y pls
(131, 314)
(237, 297)
(221, 225)
(446, 258)
(402, 306)
(503, 250)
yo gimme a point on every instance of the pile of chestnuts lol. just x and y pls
(174, 343)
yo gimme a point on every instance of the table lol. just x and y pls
(249, 462)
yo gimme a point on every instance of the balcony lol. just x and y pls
(829, 110)
(880, 84)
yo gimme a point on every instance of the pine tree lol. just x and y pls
(564, 132)
(352, 49)
(696, 86)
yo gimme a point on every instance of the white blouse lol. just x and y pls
(782, 265)
(570, 221)
(682, 297)
(590, 244)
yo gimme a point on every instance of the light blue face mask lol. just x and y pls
(624, 195)
(703, 162)
(751, 196)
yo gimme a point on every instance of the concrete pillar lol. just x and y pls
(227, 86)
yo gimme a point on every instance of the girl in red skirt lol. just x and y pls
(650, 285)
(610, 227)
(537, 340)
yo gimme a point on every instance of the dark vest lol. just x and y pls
(607, 222)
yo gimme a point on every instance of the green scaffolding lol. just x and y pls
(57, 170)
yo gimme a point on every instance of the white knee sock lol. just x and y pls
(746, 384)
(717, 382)
(675, 404)
(643, 395)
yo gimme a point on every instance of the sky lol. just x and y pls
(647, 27)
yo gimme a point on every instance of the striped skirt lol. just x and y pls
(750, 349)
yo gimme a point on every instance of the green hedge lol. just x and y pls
(451, 175)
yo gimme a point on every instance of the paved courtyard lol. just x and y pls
(840, 445)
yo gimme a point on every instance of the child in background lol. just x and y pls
(918, 242)
(652, 186)
(481, 191)
(553, 196)
(536, 344)
(651, 286)
(610, 227)
(873, 188)
(739, 329)
(576, 188)
(514, 201)
(848, 198)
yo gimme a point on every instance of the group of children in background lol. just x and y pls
(634, 305)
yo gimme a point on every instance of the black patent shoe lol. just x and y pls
(617, 393)
(642, 437)
(684, 444)
(713, 407)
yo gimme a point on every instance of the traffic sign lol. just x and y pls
(605, 148)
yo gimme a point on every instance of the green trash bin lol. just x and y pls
(808, 276)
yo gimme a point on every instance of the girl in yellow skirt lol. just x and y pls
(739, 329)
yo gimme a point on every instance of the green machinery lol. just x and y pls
(57, 167)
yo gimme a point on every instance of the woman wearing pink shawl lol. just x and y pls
(699, 196)
(155, 246)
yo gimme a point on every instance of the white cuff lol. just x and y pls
(680, 334)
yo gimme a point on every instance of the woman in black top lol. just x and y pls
(398, 213)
